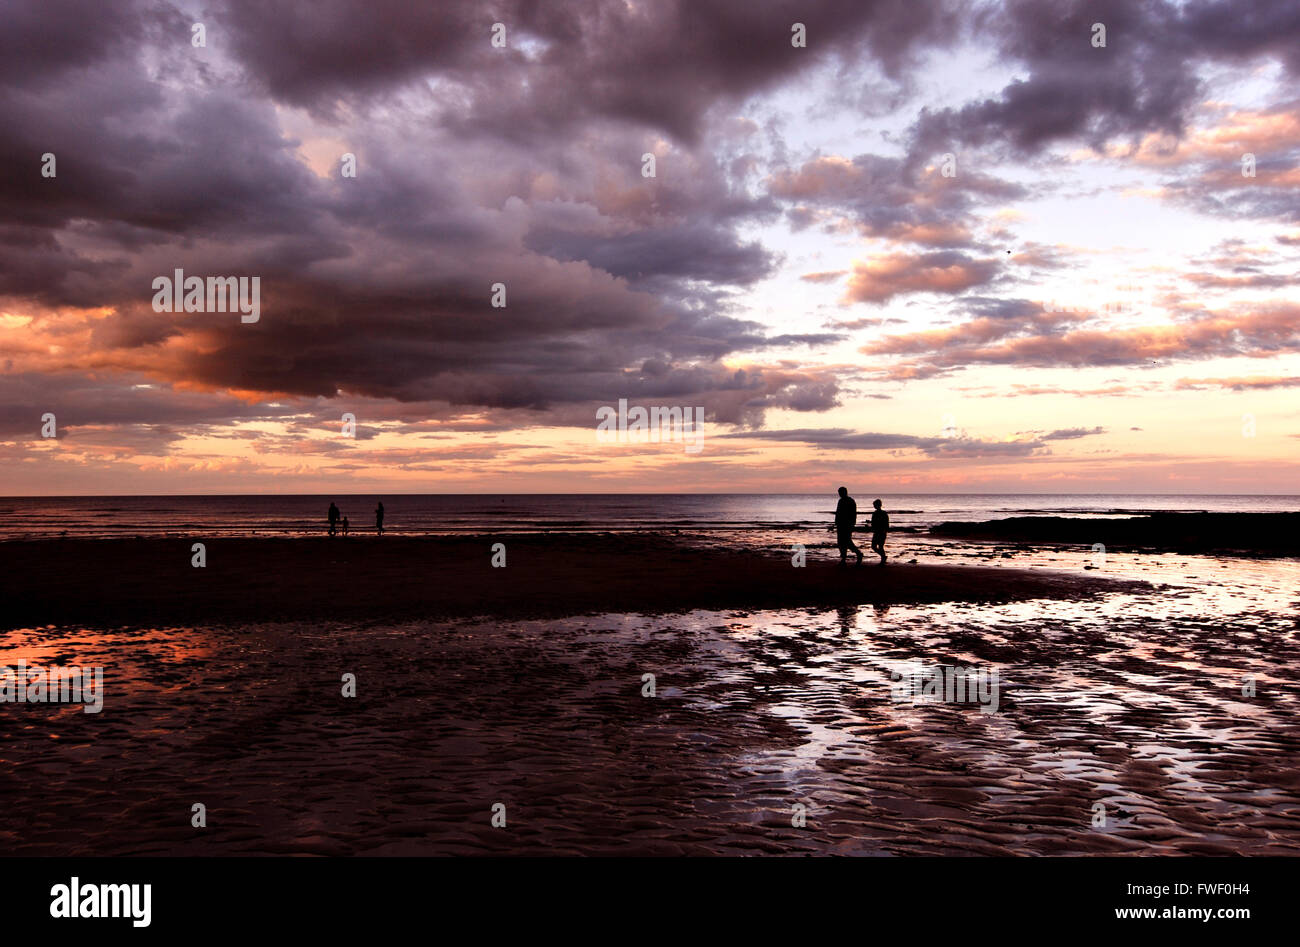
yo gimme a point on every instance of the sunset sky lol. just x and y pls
(1098, 300)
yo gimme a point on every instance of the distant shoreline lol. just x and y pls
(113, 582)
(742, 519)
(1241, 534)
(590, 493)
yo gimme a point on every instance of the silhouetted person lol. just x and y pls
(846, 516)
(345, 526)
(334, 518)
(379, 519)
(879, 529)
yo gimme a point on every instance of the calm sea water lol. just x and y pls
(761, 518)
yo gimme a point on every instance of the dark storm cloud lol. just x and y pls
(141, 170)
(379, 286)
(1136, 84)
(885, 197)
(42, 40)
(79, 401)
(480, 165)
(695, 250)
(660, 64)
(1242, 30)
(1143, 81)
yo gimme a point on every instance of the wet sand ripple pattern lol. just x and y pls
(1132, 701)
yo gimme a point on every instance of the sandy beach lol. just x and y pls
(1242, 534)
(150, 581)
(1113, 692)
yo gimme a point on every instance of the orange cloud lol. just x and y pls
(1240, 383)
(828, 276)
(1224, 137)
(881, 278)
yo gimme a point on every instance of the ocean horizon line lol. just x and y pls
(629, 493)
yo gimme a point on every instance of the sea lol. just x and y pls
(745, 518)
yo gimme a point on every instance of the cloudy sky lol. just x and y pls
(942, 247)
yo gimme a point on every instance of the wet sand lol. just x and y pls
(113, 582)
(753, 714)
(1125, 695)
(1243, 534)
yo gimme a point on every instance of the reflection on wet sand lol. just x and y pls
(1132, 701)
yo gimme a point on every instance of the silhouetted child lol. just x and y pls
(334, 518)
(345, 526)
(879, 529)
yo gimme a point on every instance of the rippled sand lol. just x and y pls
(1133, 700)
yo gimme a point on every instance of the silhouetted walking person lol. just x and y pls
(334, 518)
(379, 519)
(846, 517)
(345, 526)
(879, 529)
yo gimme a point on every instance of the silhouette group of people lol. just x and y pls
(846, 518)
(336, 524)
